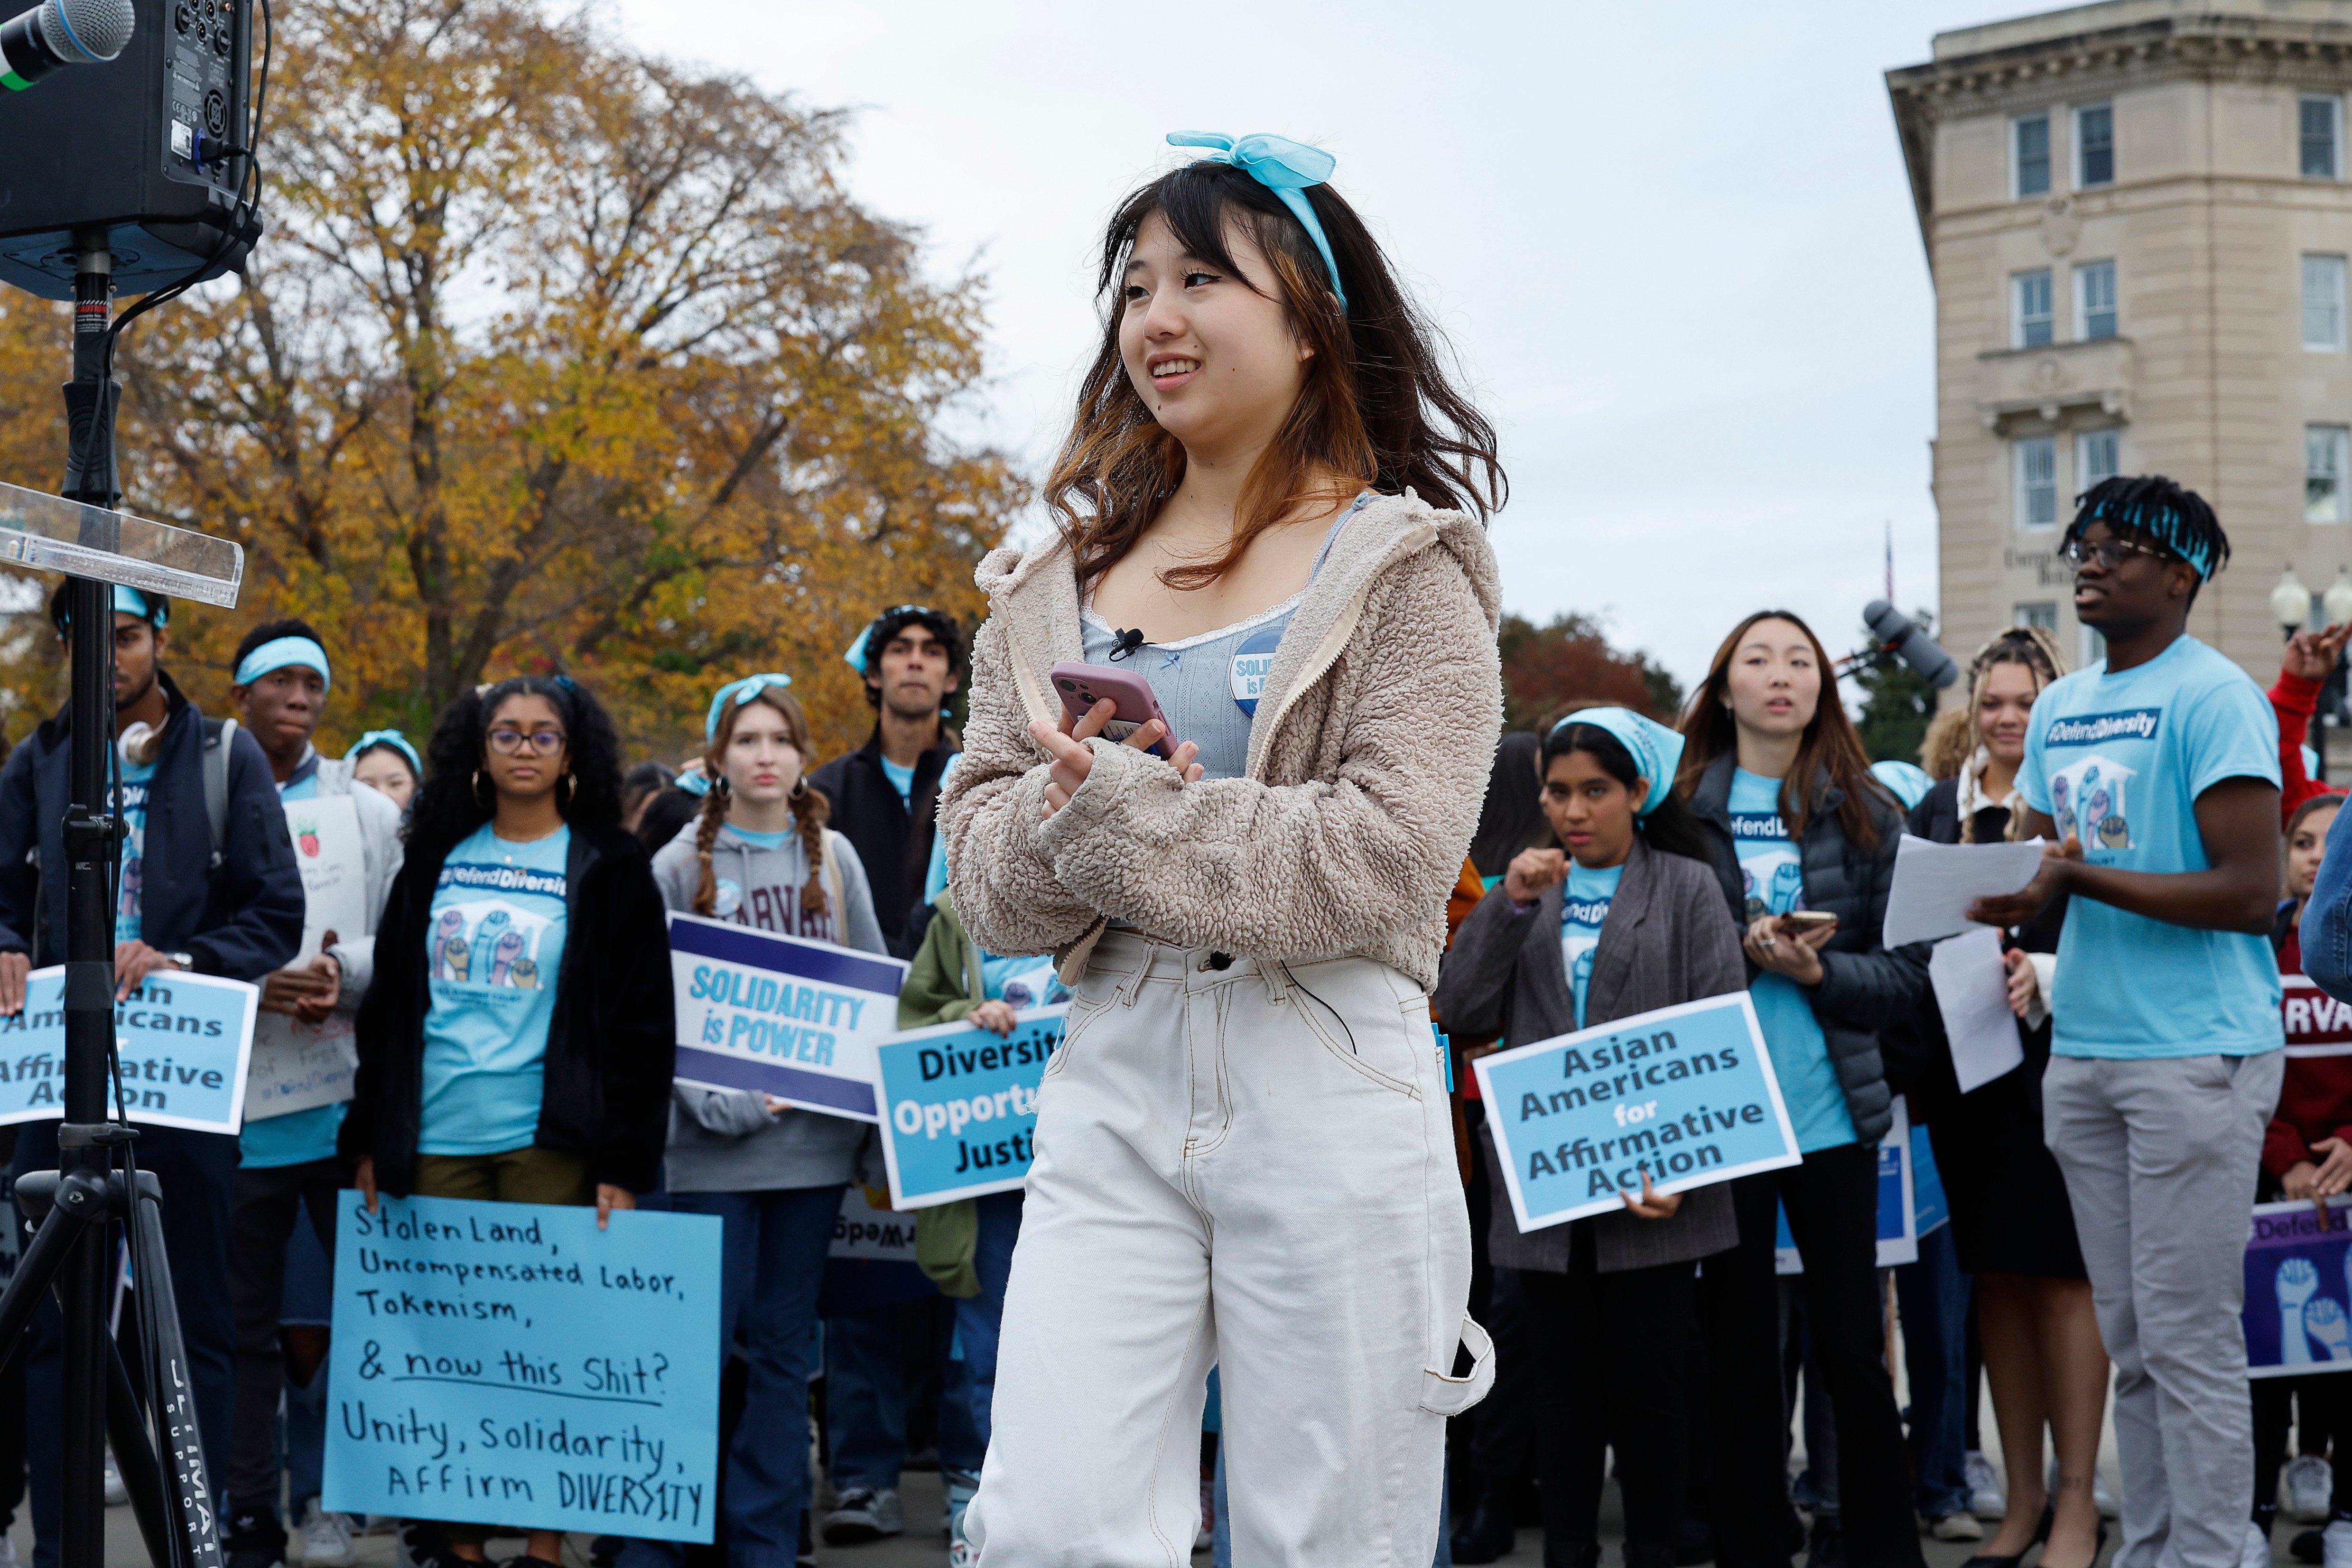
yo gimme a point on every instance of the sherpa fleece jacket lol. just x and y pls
(1367, 761)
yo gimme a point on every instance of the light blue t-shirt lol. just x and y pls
(902, 780)
(1773, 872)
(774, 840)
(298, 1137)
(2120, 759)
(496, 945)
(133, 878)
(1022, 982)
(1583, 905)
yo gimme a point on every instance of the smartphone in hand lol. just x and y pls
(1082, 685)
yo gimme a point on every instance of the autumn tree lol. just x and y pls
(1569, 661)
(556, 357)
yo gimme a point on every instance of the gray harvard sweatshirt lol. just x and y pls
(725, 1140)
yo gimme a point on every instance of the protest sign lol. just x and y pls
(296, 1065)
(510, 1363)
(2298, 1311)
(1904, 1214)
(875, 1235)
(960, 1105)
(1686, 1093)
(781, 1015)
(183, 1039)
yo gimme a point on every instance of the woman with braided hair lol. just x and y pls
(2012, 1223)
(759, 854)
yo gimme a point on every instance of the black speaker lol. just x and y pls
(148, 146)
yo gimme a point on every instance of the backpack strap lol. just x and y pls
(219, 736)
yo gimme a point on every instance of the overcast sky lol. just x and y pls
(1671, 245)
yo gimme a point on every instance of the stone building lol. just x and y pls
(2137, 215)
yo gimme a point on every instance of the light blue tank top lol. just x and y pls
(1208, 686)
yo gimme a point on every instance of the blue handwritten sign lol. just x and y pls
(510, 1363)
(1684, 1094)
(2298, 1310)
(781, 1015)
(184, 1041)
(960, 1106)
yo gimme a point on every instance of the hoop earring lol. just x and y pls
(568, 786)
(800, 788)
(478, 789)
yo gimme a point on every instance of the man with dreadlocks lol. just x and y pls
(2157, 773)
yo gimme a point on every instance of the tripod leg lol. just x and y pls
(189, 1491)
(36, 1273)
(134, 1457)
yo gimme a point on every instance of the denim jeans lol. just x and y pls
(868, 1388)
(1933, 1295)
(772, 1261)
(979, 1318)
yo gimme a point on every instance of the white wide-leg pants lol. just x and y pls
(1250, 1167)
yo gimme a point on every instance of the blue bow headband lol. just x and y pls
(278, 653)
(738, 692)
(1656, 749)
(1283, 166)
(854, 655)
(391, 738)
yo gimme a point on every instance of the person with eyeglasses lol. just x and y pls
(518, 1041)
(2154, 777)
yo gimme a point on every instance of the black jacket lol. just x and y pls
(892, 837)
(1865, 987)
(241, 920)
(611, 1044)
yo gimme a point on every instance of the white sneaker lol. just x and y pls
(2103, 1499)
(2305, 1490)
(1984, 1487)
(2335, 1544)
(2256, 1553)
(116, 1494)
(326, 1538)
(865, 1513)
(1957, 1527)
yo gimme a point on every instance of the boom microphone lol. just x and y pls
(1897, 634)
(59, 32)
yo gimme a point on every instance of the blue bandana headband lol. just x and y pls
(854, 655)
(279, 654)
(740, 692)
(391, 738)
(1283, 166)
(1657, 750)
(2161, 524)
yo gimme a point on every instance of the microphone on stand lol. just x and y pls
(59, 33)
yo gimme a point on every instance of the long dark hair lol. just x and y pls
(448, 807)
(1378, 409)
(1830, 742)
(1671, 829)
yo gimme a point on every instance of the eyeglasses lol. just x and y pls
(2109, 553)
(539, 742)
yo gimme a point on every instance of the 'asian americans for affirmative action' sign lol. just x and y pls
(184, 1041)
(1686, 1093)
(781, 1015)
(960, 1106)
(510, 1363)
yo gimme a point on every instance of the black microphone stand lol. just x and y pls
(79, 1206)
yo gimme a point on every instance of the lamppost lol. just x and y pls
(2290, 602)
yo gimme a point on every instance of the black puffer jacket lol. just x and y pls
(1865, 988)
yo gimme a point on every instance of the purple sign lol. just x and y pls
(2298, 1314)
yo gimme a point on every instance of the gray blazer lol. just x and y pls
(1668, 938)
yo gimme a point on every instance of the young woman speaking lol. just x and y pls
(1245, 1156)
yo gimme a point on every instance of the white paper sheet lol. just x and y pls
(296, 1066)
(1935, 884)
(1972, 993)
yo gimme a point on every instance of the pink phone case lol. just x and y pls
(1083, 685)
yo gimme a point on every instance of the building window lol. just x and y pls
(2321, 121)
(2044, 614)
(2094, 301)
(2094, 145)
(2031, 295)
(2031, 139)
(2037, 483)
(2326, 454)
(2097, 455)
(2323, 303)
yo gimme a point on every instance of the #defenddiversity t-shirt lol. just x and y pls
(495, 945)
(2119, 760)
(1774, 875)
(1583, 905)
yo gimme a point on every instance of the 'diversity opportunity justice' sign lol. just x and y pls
(511, 1364)
(1684, 1094)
